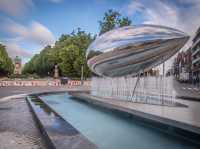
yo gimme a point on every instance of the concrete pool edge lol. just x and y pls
(171, 124)
(69, 138)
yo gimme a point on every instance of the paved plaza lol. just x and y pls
(18, 129)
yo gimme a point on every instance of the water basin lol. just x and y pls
(111, 130)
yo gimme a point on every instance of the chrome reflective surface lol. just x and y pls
(132, 49)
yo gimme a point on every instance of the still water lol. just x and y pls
(109, 130)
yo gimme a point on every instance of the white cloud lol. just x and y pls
(40, 34)
(15, 7)
(134, 6)
(168, 13)
(183, 15)
(14, 49)
(35, 32)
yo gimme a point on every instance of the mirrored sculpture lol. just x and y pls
(133, 49)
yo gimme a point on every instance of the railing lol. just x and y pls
(47, 82)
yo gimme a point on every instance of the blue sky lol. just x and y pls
(28, 25)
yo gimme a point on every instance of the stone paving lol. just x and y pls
(17, 127)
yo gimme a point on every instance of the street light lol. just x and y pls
(81, 74)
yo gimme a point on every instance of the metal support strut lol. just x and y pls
(138, 79)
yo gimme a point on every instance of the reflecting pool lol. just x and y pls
(111, 130)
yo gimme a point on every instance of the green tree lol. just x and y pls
(112, 19)
(73, 54)
(6, 64)
(124, 22)
(40, 64)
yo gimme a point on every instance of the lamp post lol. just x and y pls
(48, 77)
(163, 83)
(81, 74)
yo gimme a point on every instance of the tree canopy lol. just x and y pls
(113, 19)
(6, 64)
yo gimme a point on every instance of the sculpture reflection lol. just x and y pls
(132, 49)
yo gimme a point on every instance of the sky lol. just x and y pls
(26, 26)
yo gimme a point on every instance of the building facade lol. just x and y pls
(183, 66)
(196, 57)
(18, 66)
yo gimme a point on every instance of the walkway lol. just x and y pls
(17, 127)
